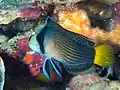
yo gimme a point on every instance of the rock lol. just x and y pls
(3, 38)
(6, 4)
(7, 16)
(108, 2)
(88, 82)
(62, 1)
(115, 85)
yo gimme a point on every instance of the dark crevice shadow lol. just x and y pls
(17, 74)
(15, 69)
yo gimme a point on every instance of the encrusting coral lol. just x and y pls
(77, 21)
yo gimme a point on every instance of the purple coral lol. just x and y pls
(35, 10)
(23, 44)
(36, 64)
(116, 12)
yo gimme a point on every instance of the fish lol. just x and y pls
(74, 51)
(34, 62)
(104, 62)
(104, 59)
(99, 13)
(2, 74)
(77, 21)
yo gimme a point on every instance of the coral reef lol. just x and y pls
(36, 10)
(7, 16)
(62, 1)
(89, 82)
(7, 4)
(96, 34)
(114, 85)
(116, 12)
(26, 18)
(92, 82)
(109, 2)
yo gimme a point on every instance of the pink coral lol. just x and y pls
(35, 10)
(23, 47)
(88, 82)
(116, 12)
(36, 63)
(23, 44)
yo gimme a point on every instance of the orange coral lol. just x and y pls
(28, 58)
(77, 21)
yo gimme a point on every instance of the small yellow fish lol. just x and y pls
(104, 55)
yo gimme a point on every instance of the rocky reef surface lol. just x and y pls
(19, 23)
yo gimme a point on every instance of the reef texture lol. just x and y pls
(29, 16)
(77, 21)
(92, 82)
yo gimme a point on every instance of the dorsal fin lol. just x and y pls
(73, 36)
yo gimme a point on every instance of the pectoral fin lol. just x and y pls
(51, 65)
